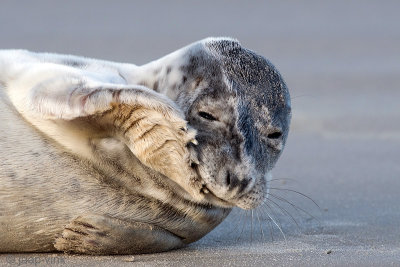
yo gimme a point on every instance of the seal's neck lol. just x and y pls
(163, 75)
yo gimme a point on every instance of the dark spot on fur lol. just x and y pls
(198, 81)
(122, 77)
(155, 86)
(156, 71)
(73, 63)
(116, 93)
(35, 154)
(2, 84)
(184, 79)
(75, 187)
(169, 68)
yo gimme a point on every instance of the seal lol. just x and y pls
(99, 157)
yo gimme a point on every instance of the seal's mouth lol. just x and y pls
(252, 198)
(209, 195)
(214, 199)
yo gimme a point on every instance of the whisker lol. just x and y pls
(237, 222)
(251, 235)
(244, 222)
(297, 192)
(272, 219)
(296, 207)
(270, 231)
(264, 205)
(285, 211)
(261, 229)
(276, 216)
(303, 95)
(282, 179)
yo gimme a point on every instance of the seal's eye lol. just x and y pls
(207, 116)
(274, 135)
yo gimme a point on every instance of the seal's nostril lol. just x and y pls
(232, 181)
(275, 135)
(228, 179)
(243, 185)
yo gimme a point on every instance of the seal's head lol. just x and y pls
(240, 106)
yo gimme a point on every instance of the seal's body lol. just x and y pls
(107, 158)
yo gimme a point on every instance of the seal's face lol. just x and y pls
(240, 107)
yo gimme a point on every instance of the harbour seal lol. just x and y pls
(100, 157)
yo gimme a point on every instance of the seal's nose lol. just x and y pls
(233, 183)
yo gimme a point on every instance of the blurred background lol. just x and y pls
(341, 61)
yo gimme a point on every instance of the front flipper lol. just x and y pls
(103, 235)
(73, 109)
